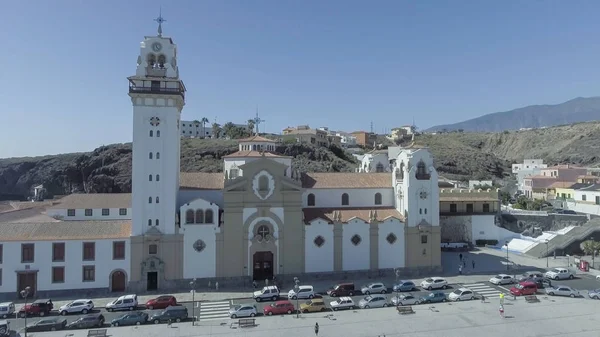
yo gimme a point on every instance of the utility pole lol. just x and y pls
(371, 126)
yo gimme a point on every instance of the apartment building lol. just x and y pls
(305, 134)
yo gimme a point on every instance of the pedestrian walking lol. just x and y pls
(254, 284)
(316, 329)
(460, 256)
(473, 263)
(482, 298)
(501, 298)
(460, 269)
(501, 310)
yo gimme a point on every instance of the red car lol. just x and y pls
(279, 308)
(161, 302)
(524, 289)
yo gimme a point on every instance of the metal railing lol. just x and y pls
(156, 90)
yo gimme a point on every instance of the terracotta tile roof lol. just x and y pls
(65, 230)
(349, 213)
(201, 180)
(257, 139)
(468, 198)
(561, 184)
(347, 180)
(253, 154)
(94, 200)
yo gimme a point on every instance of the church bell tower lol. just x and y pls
(158, 96)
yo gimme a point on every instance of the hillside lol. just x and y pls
(534, 116)
(108, 169)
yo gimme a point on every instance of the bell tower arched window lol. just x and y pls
(151, 60)
(377, 198)
(310, 200)
(379, 168)
(161, 61)
(208, 216)
(422, 173)
(199, 216)
(189, 216)
(345, 199)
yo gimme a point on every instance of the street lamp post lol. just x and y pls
(25, 293)
(193, 286)
(507, 262)
(593, 250)
(547, 254)
(297, 290)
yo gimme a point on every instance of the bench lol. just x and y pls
(531, 299)
(97, 333)
(246, 322)
(405, 310)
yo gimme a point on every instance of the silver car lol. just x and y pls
(374, 288)
(404, 299)
(594, 294)
(373, 301)
(243, 310)
(562, 291)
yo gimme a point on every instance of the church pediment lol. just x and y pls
(153, 231)
(239, 184)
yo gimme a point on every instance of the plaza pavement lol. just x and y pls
(549, 317)
(488, 262)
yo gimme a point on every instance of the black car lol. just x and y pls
(87, 321)
(47, 324)
(170, 314)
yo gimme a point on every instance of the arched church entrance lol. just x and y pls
(118, 281)
(263, 266)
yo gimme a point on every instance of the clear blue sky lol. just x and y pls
(336, 63)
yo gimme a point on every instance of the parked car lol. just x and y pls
(524, 289)
(125, 302)
(4, 328)
(404, 286)
(304, 292)
(342, 303)
(88, 321)
(161, 302)
(374, 288)
(404, 299)
(597, 277)
(461, 294)
(540, 281)
(132, 318)
(562, 291)
(373, 301)
(314, 305)
(47, 324)
(434, 283)
(38, 307)
(243, 310)
(170, 314)
(279, 308)
(342, 289)
(266, 293)
(7, 309)
(559, 274)
(502, 279)
(76, 307)
(594, 294)
(530, 274)
(434, 297)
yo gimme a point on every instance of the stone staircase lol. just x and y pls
(561, 242)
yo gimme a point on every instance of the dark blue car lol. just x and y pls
(434, 297)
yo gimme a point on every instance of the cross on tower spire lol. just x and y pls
(257, 121)
(160, 21)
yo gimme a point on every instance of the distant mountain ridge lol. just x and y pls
(577, 110)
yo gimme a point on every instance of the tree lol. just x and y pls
(590, 247)
(216, 130)
(196, 125)
(505, 197)
(204, 120)
(251, 125)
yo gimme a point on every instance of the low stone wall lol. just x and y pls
(527, 224)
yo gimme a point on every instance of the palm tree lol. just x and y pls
(251, 126)
(204, 120)
(589, 247)
(196, 124)
(216, 130)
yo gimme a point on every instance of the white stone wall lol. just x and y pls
(73, 277)
(391, 255)
(364, 197)
(199, 264)
(114, 214)
(318, 259)
(356, 257)
(370, 161)
(484, 228)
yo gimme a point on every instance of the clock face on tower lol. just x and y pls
(156, 46)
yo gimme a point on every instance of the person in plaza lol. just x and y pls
(501, 309)
(473, 263)
(254, 284)
(460, 256)
(460, 269)
(501, 298)
(482, 298)
(317, 329)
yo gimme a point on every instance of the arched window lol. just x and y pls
(199, 216)
(150, 155)
(311, 200)
(149, 200)
(263, 183)
(422, 171)
(401, 173)
(189, 216)
(149, 222)
(157, 133)
(161, 61)
(377, 198)
(157, 200)
(157, 155)
(379, 168)
(208, 216)
(156, 222)
(150, 177)
(151, 60)
(345, 199)
(158, 177)
(152, 133)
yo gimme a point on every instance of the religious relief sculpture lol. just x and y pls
(152, 264)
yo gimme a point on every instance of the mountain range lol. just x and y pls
(534, 116)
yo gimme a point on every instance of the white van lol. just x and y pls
(7, 309)
(126, 302)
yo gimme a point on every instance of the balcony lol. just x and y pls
(153, 89)
(463, 213)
